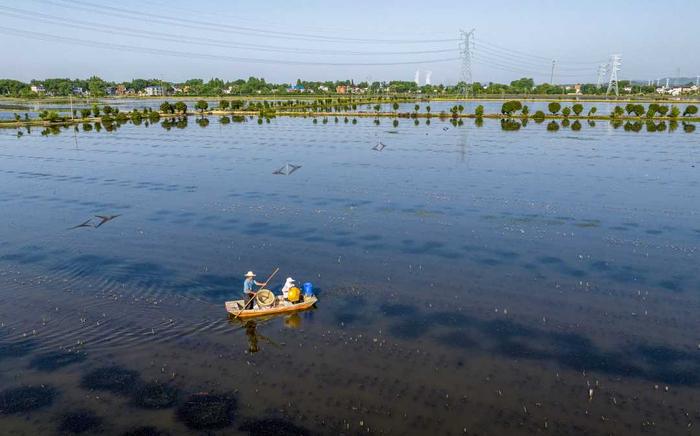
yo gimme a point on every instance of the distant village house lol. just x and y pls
(153, 91)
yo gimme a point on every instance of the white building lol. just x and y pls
(38, 88)
(153, 91)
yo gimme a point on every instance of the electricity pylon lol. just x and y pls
(465, 48)
(602, 69)
(615, 62)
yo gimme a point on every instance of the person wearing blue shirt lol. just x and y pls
(248, 292)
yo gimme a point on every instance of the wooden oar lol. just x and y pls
(255, 293)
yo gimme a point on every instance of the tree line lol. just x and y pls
(97, 87)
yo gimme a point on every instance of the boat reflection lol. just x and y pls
(254, 337)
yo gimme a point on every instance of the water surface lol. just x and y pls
(469, 277)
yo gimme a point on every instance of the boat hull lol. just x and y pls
(281, 306)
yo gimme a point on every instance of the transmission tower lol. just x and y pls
(551, 77)
(602, 69)
(465, 48)
(615, 62)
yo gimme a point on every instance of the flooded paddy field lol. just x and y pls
(472, 280)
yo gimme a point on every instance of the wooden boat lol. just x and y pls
(235, 308)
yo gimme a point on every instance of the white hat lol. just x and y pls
(250, 274)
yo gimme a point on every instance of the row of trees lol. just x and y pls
(98, 87)
(632, 109)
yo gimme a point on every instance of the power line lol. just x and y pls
(228, 28)
(165, 52)
(35, 16)
(486, 52)
(528, 56)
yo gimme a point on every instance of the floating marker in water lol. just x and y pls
(379, 147)
(287, 169)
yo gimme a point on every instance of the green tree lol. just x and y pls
(538, 117)
(691, 109)
(511, 106)
(479, 111)
(662, 110)
(566, 111)
(675, 111)
(592, 111)
(416, 107)
(577, 108)
(95, 110)
(395, 106)
(107, 109)
(427, 108)
(84, 113)
(201, 105)
(181, 107)
(652, 109)
(525, 110)
(554, 108)
(166, 107)
(223, 104)
(618, 111)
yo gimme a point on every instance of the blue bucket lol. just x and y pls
(308, 289)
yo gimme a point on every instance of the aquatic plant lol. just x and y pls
(272, 427)
(80, 421)
(553, 126)
(113, 379)
(54, 360)
(26, 398)
(16, 349)
(154, 395)
(145, 431)
(208, 411)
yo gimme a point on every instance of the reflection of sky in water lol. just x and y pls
(576, 250)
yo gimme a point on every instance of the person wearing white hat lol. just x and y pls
(287, 286)
(248, 284)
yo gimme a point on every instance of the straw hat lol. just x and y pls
(250, 274)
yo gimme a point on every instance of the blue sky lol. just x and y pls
(360, 40)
